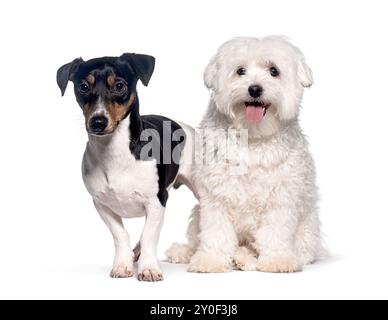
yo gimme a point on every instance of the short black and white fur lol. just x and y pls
(122, 182)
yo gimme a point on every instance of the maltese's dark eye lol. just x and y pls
(84, 87)
(120, 87)
(274, 71)
(241, 71)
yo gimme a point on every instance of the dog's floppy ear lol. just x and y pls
(210, 73)
(304, 72)
(66, 73)
(142, 64)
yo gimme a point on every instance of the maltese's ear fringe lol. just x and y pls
(304, 72)
(210, 73)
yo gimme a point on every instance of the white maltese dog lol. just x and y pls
(263, 216)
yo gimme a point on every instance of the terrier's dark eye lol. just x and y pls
(120, 87)
(241, 71)
(274, 72)
(84, 87)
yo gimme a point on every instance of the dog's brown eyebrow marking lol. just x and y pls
(91, 79)
(111, 80)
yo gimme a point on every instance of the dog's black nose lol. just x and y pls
(98, 124)
(255, 91)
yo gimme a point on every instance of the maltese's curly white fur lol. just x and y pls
(266, 217)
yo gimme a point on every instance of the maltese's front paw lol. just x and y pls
(245, 260)
(279, 264)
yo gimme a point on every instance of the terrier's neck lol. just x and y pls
(129, 129)
(112, 143)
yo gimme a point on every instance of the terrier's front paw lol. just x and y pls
(279, 264)
(121, 271)
(179, 253)
(203, 262)
(151, 275)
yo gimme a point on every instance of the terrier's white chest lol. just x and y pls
(115, 179)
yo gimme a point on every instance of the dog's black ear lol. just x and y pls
(66, 73)
(143, 65)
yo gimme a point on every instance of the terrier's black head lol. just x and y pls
(105, 88)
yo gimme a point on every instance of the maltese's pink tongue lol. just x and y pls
(254, 114)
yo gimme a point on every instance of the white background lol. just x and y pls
(52, 242)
